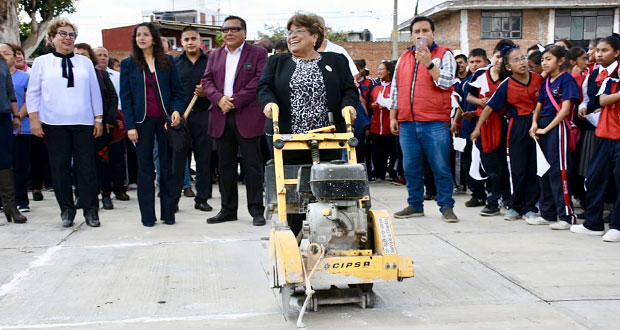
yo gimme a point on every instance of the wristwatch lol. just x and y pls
(430, 67)
(99, 120)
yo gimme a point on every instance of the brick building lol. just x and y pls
(466, 24)
(118, 40)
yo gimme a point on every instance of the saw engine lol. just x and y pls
(335, 220)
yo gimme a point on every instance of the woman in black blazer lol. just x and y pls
(305, 84)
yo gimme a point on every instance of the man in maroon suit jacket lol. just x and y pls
(236, 120)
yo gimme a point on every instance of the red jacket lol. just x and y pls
(609, 122)
(491, 130)
(431, 102)
(380, 122)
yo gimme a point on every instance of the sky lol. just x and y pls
(92, 16)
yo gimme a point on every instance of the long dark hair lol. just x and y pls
(161, 60)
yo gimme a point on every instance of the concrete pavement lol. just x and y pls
(480, 273)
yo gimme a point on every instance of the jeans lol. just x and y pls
(430, 140)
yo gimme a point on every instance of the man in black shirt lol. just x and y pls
(191, 65)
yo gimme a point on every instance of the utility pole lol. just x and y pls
(395, 32)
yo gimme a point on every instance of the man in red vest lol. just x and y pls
(420, 115)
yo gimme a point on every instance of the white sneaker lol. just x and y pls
(612, 235)
(560, 225)
(537, 221)
(580, 229)
(530, 214)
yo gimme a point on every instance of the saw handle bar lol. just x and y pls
(348, 119)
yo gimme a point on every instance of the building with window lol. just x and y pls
(467, 24)
(118, 40)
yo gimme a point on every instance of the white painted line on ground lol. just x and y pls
(42, 260)
(145, 319)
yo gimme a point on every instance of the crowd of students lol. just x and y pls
(544, 124)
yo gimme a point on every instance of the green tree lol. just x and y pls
(336, 36)
(278, 32)
(273, 32)
(40, 13)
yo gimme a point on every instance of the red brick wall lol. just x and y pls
(372, 52)
(447, 30)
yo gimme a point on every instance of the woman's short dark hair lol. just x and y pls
(536, 57)
(311, 22)
(89, 50)
(422, 19)
(158, 49)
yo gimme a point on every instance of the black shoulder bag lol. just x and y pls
(179, 138)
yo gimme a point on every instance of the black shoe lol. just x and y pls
(92, 218)
(107, 203)
(67, 218)
(169, 222)
(222, 217)
(37, 196)
(203, 206)
(77, 203)
(429, 197)
(489, 211)
(122, 196)
(259, 220)
(475, 202)
(148, 223)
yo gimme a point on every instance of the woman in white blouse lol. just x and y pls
(64, 105)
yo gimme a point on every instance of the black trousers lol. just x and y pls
(110, 165)
(603, 171)
(21, 168)
(39, 164)
(197, 124)
(63, 143)
(496, 167)
(555, 190)
(227, 146)
(524, 181)
(148, 131)
(383, 149)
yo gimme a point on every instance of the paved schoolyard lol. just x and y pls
(480, 273)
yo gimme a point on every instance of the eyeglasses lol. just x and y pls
(234, 29)
(532, 67)
(519, 60)
(64, 34)
(296, 32)
(8, 54)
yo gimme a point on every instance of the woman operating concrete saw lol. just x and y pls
(307, 85)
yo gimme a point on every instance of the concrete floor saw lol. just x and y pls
(343, 246)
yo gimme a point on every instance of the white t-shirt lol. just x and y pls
(116, 81)
(332, 47)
